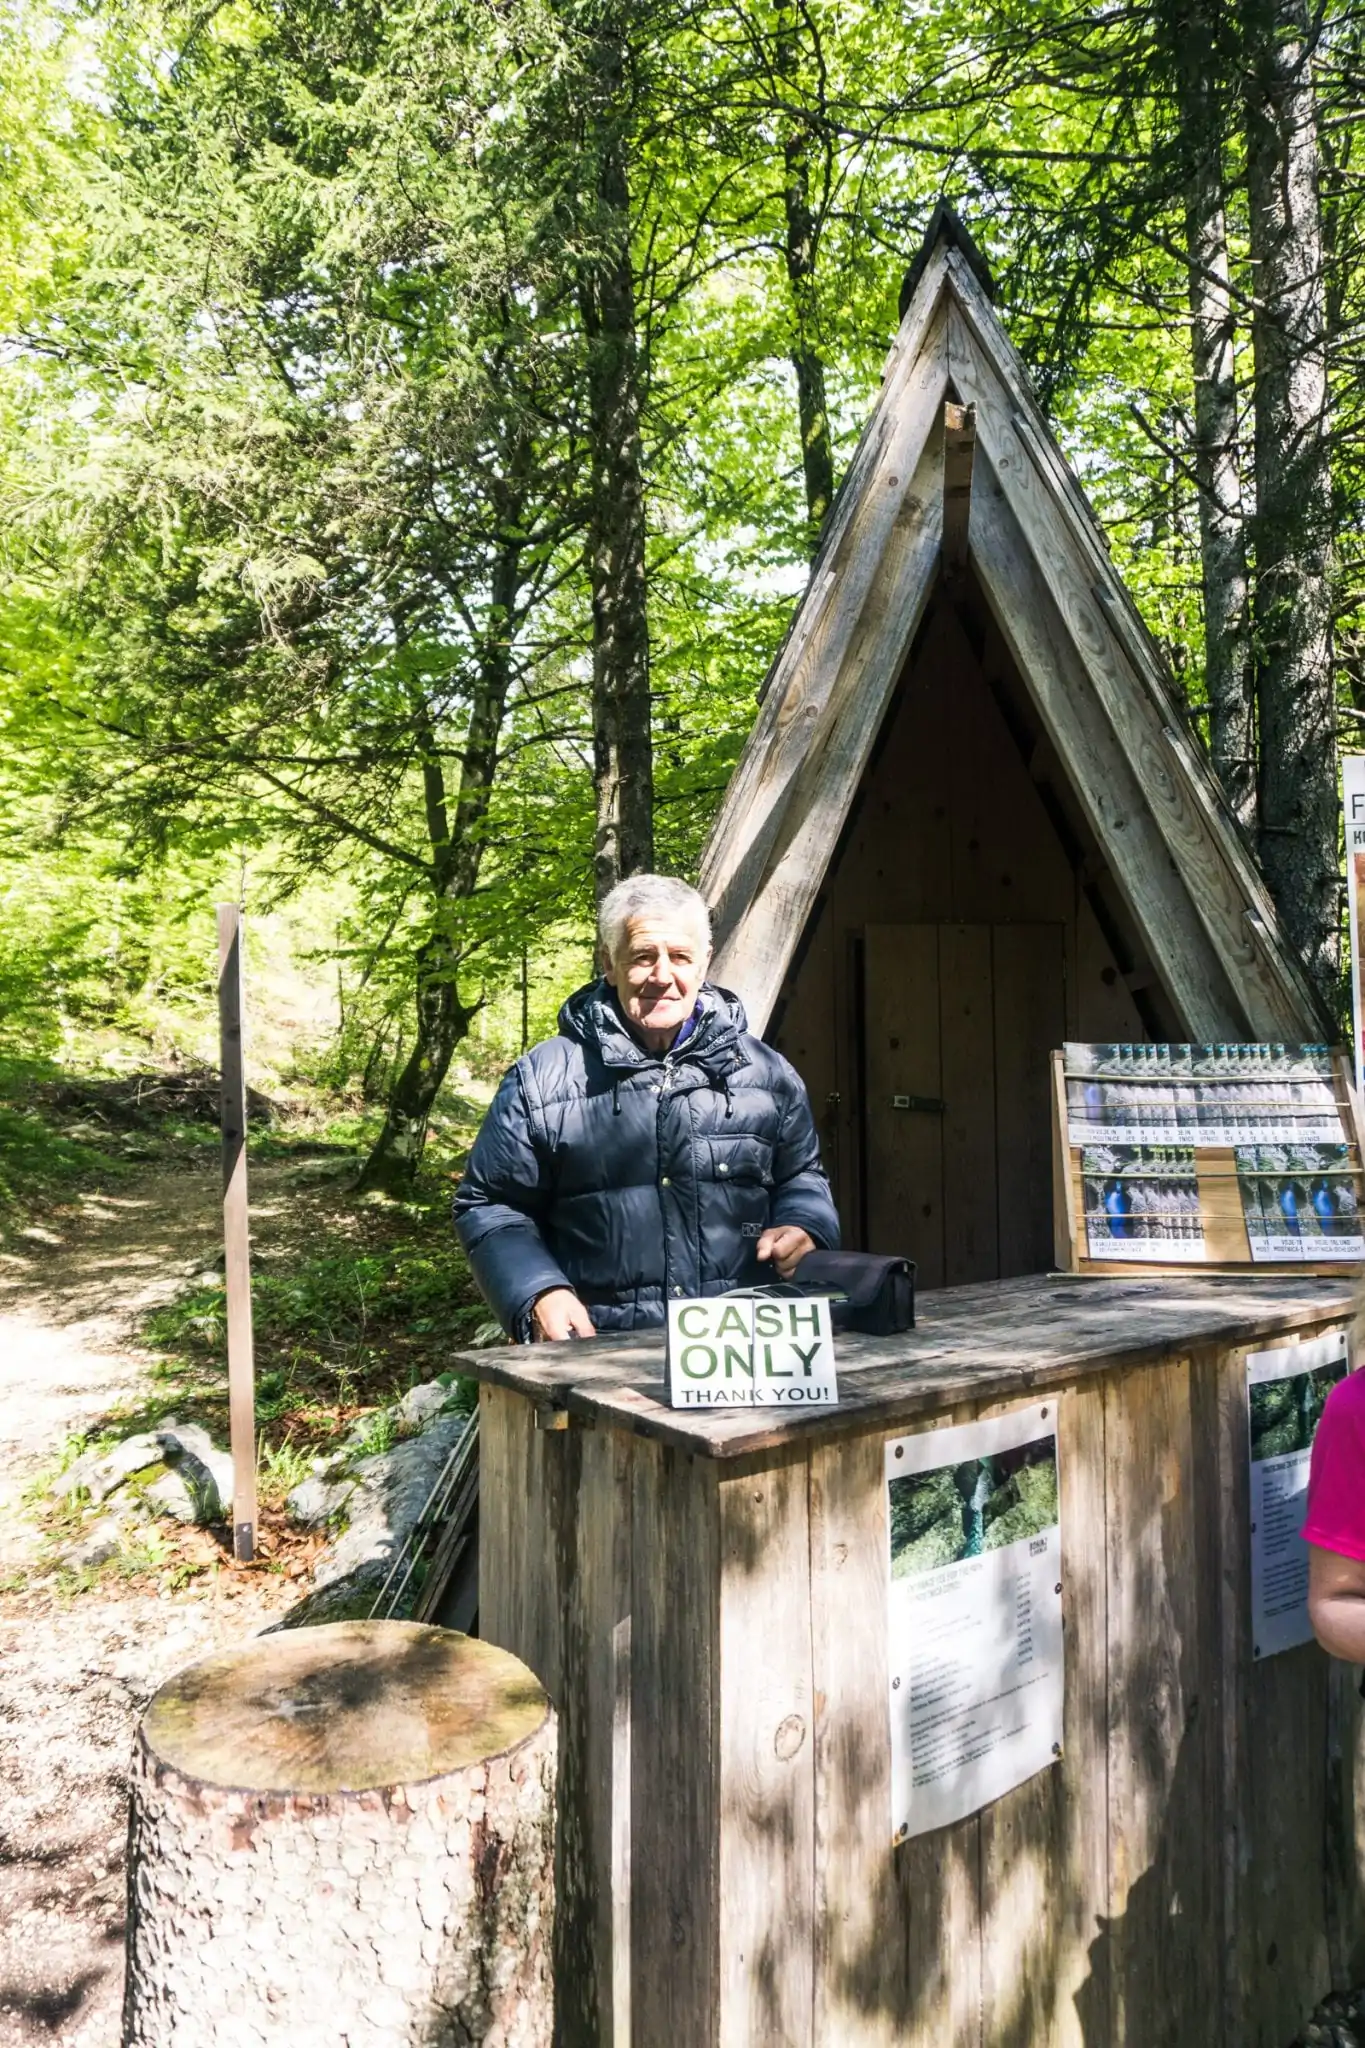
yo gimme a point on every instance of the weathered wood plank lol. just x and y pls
(1105, 780)
(519, 1589)
(973, 1343)
(904, 1057)
(1044, 1847)
(959, 447)
(1141, 727)
(1028, 962)
(764, 863)
(860, 1990)
(1165, 1912)
(676, 1813)
(593, 1573)
(767, 1758)
(967, 1008)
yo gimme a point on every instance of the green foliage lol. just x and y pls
(343, 1328)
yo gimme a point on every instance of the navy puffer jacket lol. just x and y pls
(630, 1176)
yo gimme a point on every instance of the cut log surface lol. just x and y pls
(343, 1837)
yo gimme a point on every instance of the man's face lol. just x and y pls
(659, 967)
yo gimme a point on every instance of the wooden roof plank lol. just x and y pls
(1104, 781)
(1271, 1004)
(768, 853)
(1290, 1008)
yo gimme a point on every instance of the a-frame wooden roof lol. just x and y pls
(1098, 689)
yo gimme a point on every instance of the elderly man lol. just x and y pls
(653, 1149)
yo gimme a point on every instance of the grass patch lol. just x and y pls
(341, 1328)
(41, 1167)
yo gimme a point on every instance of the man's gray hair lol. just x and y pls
(650, 896)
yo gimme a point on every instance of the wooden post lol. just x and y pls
(237, 1236)
(959, 450)
(340, 1835)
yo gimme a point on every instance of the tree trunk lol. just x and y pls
(443, 1019)
(817, 448)
(1200, 67)
(1293, 525)
(343, 1835)
(443, 1023)
(623, 760)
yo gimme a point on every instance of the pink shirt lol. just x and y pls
(1336, 1476)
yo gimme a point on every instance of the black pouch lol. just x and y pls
(867, 1291)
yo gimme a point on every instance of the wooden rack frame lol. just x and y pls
(1228, 1246)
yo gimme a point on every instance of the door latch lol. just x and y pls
(927, 1105)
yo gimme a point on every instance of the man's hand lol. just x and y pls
(786, 1246)
(560, 1314)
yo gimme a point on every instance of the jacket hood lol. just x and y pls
(592, 1018)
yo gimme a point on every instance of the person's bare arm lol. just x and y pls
(1336, 1603)
(558, 1314)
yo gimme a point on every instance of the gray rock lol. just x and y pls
(173, 1495)
(206, 1470)
(393, 1490)
(100, 1473)
(100, 1542)
(317, 1501)
(421, 1405)
(383, 1506)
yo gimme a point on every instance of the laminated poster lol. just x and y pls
(1286, 1393)
(975, 1613)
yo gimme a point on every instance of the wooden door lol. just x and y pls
(959, 1020)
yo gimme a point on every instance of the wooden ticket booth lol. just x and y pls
(969, 824)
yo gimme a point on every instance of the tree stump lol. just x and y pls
(343, 1837)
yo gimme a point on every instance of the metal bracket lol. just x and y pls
(928, 1105)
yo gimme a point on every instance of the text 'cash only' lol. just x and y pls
(733, 1352)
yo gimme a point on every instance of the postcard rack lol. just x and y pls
(1205, 1157)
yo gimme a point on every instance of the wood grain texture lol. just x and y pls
(1044, 1846)
(1107, 784)
(859, 1961)
(1028, 990)
(1281, 966)
(972, 1344)
(676, 1818)
(1140, 724)
(959, 446)
(967, 1008)
(767, 1758)
(1166, 1904)
(905, 1212)
(593, 1578)
(770, 849)
(519, 1587)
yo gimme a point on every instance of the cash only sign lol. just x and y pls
(751, 1351)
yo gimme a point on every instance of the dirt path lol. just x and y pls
(75, 1673)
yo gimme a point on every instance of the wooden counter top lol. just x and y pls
(978, 1343)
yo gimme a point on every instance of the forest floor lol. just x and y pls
(78, 1662)
(110, 1320)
